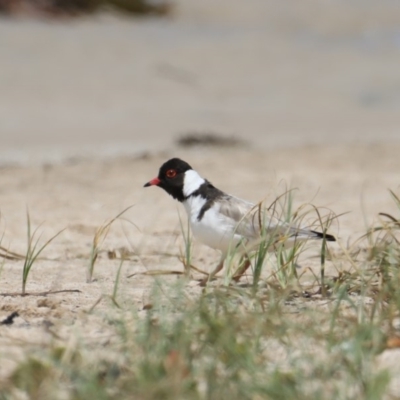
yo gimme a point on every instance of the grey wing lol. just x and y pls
(249, 218)
(235, 208)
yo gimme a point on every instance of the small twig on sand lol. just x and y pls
(15, 294)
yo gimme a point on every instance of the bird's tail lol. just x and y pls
(326, 236)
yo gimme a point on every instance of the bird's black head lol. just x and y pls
(171, 177)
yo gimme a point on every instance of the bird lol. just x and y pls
(225, 222)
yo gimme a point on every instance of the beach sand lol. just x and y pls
(91, 108)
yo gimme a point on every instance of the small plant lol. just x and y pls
(286, 257)
(383, 253)
(116, 284)
(98, 240)
(32, 252)
(113, 296)
(187, 256)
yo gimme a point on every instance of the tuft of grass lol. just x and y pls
(186, 258)
(114, 294)
(98, 240)
(32, 251)
(116, 284)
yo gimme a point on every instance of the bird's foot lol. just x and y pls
(241, 271)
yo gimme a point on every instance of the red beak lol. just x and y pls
(153, 182)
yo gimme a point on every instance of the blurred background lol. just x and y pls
(103, 78)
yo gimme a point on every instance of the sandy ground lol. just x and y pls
(314, 90)
(79, 197)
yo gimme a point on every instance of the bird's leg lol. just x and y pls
(242, 269)
(210, 276)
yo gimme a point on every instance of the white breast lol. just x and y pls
(213, 230)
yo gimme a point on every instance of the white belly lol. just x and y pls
(212, 230)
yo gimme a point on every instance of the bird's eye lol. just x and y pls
(171, 173)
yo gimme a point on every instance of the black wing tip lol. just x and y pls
(327, 236)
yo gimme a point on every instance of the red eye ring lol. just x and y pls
(171, 173)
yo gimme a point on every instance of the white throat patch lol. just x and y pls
(191, 182)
